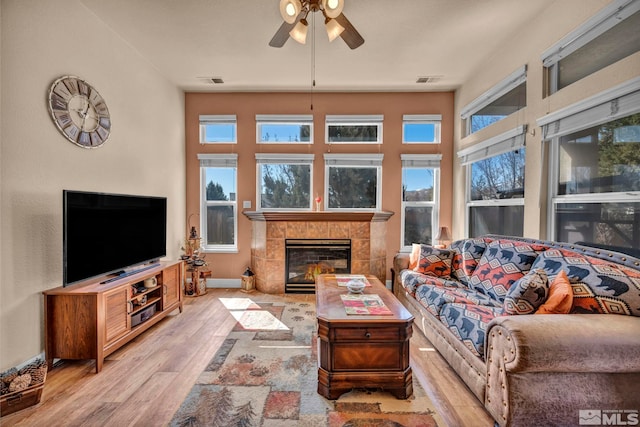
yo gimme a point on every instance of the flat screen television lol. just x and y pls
(107, 234)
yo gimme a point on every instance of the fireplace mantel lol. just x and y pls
(317, 216)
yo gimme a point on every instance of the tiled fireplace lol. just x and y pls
(306, 259)
(365, 230)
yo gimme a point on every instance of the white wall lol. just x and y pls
(41, 41)
(526, 47)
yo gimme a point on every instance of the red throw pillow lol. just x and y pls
(560, 297)
(434, 262)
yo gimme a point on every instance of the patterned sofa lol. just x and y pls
(481, 302)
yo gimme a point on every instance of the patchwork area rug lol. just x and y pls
(265, 374)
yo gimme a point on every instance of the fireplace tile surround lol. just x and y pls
(367, 231)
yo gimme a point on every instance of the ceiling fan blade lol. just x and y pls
(282, 35)
(350, 35)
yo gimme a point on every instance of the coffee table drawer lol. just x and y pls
(368, 357)
(367, 334)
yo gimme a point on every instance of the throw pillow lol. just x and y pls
(502, 264)
(414, 257)
(434, 262)
(560, 297)
(527, 294)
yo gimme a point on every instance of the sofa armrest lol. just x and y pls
(564, 343)
(400, 262)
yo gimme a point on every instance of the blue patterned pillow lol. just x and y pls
(527, 294)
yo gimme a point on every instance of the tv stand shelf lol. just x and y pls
(92, 319)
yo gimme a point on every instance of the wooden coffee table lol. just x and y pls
(361, 351)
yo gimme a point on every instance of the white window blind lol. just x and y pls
(353, 159)
(282, 118)
(420, 160)
(620, 101)
(503, 143)
(217, 119)
(603, 21)
(218, 160)
(268, 158)
(512, 81)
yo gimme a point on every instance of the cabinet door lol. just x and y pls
(171, 286)
(116, 313)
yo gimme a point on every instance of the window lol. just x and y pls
(606, 38)
(495, 184)
(353, 181)
(277, 129)
(421, 129)
(505, 98)
(595, 166)
(284, 181)
(218, 129)
(353, 129)
(218, 206)
(420, 195)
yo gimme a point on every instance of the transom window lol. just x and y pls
(218, 129)
(218, 204)
(353, 129)
(284, 181)
(277, 129)
(606, 38)
(420, 188)
(505, 98)
(421, 129)
(495, 184)
(353, 181)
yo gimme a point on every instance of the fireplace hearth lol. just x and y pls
(306, 259)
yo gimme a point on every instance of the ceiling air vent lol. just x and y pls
(428, 79)
(211, 80)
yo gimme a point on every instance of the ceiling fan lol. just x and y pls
(295, 25)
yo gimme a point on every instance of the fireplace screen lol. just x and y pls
(306, 259)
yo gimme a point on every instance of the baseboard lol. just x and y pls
(224, 283)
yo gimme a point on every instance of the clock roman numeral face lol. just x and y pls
(79, 112)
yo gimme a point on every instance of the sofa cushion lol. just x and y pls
(469, 323)
(467, 253)
(598, 286)
(434, 297)
(527, 294)
(411, 280)
(501, 265)
(560, 298)
(434, 262)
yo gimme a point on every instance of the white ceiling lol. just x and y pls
(189, 41)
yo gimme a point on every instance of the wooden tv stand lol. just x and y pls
(92, 319)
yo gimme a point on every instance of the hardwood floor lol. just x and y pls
(144, 383)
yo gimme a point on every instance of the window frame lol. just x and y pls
(607, 18)
(421, 161)
(435, 119)
(503, 87)
(511, 140)
(354, 120)
(365, 160)
(286, 120)
(217, 161)
(610, 105)
(217, 119)
(291, 159)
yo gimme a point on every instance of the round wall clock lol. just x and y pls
(79, 112)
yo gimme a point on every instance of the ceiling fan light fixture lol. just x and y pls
(290, 9)
(332, 8)
(334, 29)
(299, 32)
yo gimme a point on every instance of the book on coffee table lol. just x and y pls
(343, 279)
(370, 304)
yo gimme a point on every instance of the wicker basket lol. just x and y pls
(19, 400)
